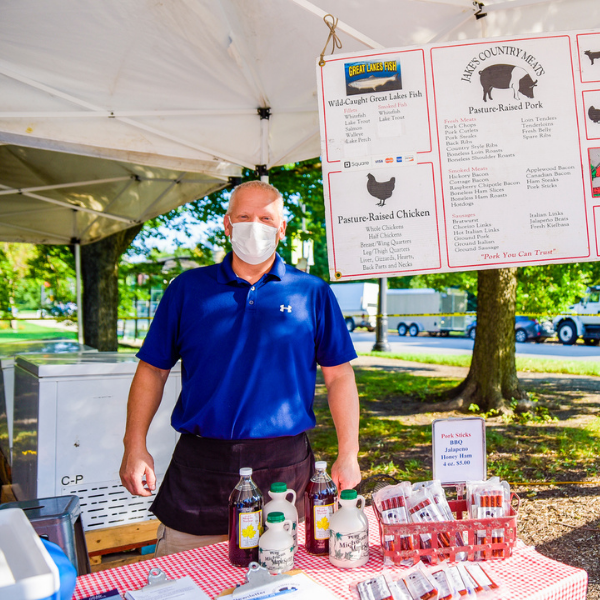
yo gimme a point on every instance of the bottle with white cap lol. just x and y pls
(245, 520)
(276, 545)
(279, 493)
(320, 500)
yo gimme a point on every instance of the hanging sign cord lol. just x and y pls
(336, 42)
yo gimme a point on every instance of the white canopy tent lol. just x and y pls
(188, 86)
(57, 198)
(174, 84)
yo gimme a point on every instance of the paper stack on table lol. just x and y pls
(293, 587)
(173, 589)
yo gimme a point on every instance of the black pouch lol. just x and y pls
(194, 494)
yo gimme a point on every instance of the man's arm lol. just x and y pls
(344, 406)
(145, 396)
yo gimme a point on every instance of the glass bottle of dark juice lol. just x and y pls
(245, 520)
(320, 500)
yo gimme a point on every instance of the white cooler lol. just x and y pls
(69, 422)
(7, 379)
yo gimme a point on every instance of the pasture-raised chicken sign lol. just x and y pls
(467, 155)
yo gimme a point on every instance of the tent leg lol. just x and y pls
(78, 290)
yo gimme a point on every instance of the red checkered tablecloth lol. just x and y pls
(527, 574)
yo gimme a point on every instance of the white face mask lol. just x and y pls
(253, 242)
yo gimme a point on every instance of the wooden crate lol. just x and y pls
(5, 470)
(112, 546)
(7, 494)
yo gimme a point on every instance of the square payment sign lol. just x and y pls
(459, 449)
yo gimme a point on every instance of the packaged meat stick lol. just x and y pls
(391, 504)
(436, 490)
(489, 499)
(419, 582)
(422, 509)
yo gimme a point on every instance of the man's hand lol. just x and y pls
(345, 472)
(135, 465)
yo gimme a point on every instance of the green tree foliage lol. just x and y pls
(544, 290)
(25, 269)
(550, 289)
(54, 268)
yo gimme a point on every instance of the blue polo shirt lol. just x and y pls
(249, 352)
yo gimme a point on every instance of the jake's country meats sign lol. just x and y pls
(468, 155)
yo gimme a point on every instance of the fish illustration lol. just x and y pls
(372, 82)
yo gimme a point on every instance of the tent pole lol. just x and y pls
(78, 291)
(264, 114)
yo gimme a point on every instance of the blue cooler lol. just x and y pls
(30, 568)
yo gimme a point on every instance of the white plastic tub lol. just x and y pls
(26, 570)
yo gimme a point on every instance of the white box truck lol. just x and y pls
(583, 322)
(358, 302)
(430, 304)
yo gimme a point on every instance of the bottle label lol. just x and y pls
(321, 515)
(278, 561)
(350, 547)
(249, 529)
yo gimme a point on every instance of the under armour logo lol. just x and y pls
(283, 308)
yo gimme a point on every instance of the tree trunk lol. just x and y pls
(492, 380)
(99, 272)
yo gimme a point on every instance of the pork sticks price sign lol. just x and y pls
(459, 450)
(469, 155)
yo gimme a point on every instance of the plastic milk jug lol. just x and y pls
(279, 503)
(276, 545)
(349, 532)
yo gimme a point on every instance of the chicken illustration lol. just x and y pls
(594, 114)
(381, 190)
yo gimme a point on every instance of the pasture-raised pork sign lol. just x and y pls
(466, 155)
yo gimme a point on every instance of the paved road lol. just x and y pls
(363, 342)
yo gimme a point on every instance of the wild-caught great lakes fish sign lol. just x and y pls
(468, 155)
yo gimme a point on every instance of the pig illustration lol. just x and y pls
(592, 55)
(504, 77)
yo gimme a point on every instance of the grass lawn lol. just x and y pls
(397, 409)
(31, 332)
(531, 365)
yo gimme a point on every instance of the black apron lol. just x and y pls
(194, 494)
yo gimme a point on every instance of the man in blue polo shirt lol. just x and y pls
(250, 333)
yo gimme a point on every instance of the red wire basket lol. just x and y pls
(497, 542)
